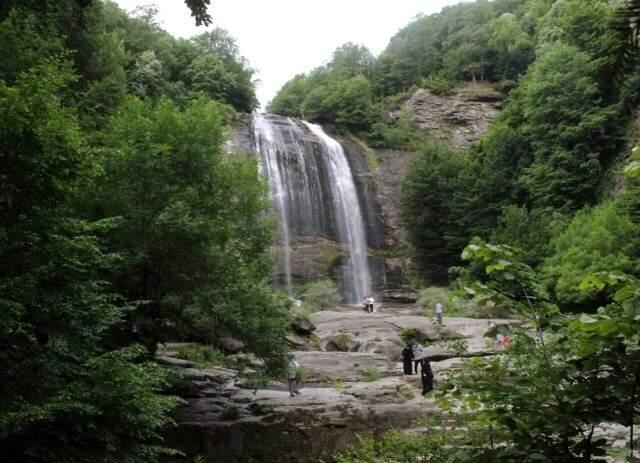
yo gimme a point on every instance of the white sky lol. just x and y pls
(281, 38)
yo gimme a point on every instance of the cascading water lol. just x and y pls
(349, 215)
(313, 192)
(269, 144)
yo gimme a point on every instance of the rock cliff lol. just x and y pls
(459, 118)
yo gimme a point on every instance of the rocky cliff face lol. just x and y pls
(460, 118)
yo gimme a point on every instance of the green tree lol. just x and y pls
(597, 240)
(426, 209)
(65, 396)
(531, 232)
(191, 229)
(569, 128)
(290, 98)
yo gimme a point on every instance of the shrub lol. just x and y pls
(433, 294)
(230, 413)
(405, 392)
(321, 295)
(202, 356)
(303, 374)
(261, 409)
(338, 384)
(371, 374)
(342, 342)
(600, 239)
(413, 335)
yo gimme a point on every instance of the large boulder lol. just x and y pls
(302, 325)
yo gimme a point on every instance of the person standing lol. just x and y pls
(292, 374)
(426, 375)
(370, 303)
(418, 353)
(407, 357)
(439, 312)
(365, 303)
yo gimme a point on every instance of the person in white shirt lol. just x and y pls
(439, 312)
(292, 376)
(370, 302)
(418, 355)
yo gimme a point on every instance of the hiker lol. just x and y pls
(426, 375)
(407, 357)
(370, 302)
(506, 341)
(439, 312)
(365, 303)
(418, 354)
(293, 370)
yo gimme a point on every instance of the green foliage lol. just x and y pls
(398, 446)
(371, 374)
(191, 224)
(595, 240)
(479, 40)
(430, 296)
(568, 126)
(552, 364)
(66, 395)
(339, 93)
(119, 221)
(302, 374)
(548, 154)
(321, 295)
(201, 356)
(413, 335)
(530, 232)
(157, 64)
(426, 211)
(342, 342)
(230, 414)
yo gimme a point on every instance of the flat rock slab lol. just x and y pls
(351, 329)
(347, 366)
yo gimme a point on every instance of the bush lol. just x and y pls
(342, 342)
(371, 374)
(230, 413)
(432, 295)
(321, 295)
(201, 356)
(601, 239)
(412, 335)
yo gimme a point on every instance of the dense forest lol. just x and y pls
(552, 186)
(123, 224)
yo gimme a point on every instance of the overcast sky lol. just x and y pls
(281, 38)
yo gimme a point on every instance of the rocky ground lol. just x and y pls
(354, 384)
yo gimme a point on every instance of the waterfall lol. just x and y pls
(269, 144)
(349, 216)
(313, 193)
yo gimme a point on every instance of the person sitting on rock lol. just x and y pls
(407, 357)
(292, 375)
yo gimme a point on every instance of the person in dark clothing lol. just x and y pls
(407, 357)
(426, 375)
